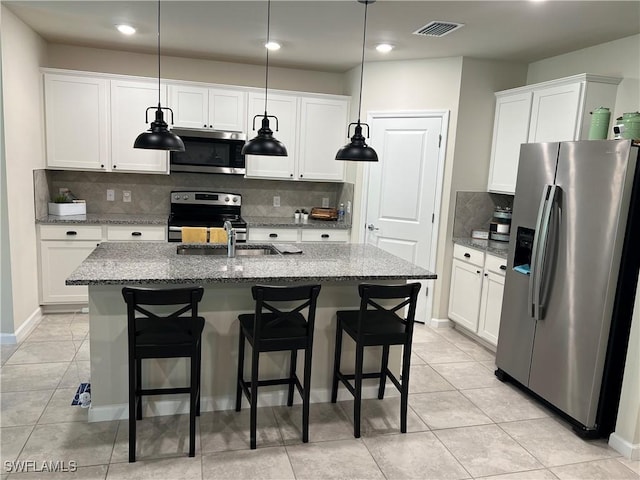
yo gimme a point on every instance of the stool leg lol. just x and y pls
(199, 374)
(255, 357)
(404, 393)
(292, 374)
(357, 404)
(306, 394)
(336, 362)
(193, 400)
(383, 371)
(132, 410)
(138, 388)
(240, 371)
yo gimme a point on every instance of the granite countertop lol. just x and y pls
(289, 222)
(104, 218)
(499, 249)
(119, 263)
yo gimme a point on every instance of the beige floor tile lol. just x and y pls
(424, 379)
(328, 460)
(43, 352)
(55, 332)
(476, 351)
(553, 443)
(467, 375)
(82, 354)
(60, 410)
(416, 360)
(381, 417)
(229, 430)
(440, 352)
(447, 410)
(174, 469)
(6, 351)
(85, 443)
(156, 437)
(632, 464)
(489, 364)
(425, 334)
(97, 472)
(12, 439)
(25, 377)
(597, 470)
(505, 404)
(78, 372)
(542, 474)
(327, 421)
(58, 318)
(23, 408)
(487, 450)
(271, 463)
(414, 455)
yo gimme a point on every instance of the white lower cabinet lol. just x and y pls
(136, 233)
(266, 234)
(275, 235)
(475, 296)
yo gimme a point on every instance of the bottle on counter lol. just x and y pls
(341, 213)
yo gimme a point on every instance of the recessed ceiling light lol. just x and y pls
(272, 45)
(126, 29)
(384, 47)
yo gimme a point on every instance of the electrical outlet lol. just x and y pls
(325, 202)
(348, 207)
(126, 196)
(276, 200)
(111, 195)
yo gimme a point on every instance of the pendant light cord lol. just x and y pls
(158, 54)
(364, 38)
(266, 73)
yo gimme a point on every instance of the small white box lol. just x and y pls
(67, 209)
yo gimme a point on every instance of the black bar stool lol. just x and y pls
(278, 330)
(163, 336)
(379, 326)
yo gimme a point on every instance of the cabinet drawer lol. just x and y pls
(496, 264)
(470, 255)
(273, 234)
(325, 235)
(70, 232)
(120, 233)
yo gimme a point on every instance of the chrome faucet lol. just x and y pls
(231, 239)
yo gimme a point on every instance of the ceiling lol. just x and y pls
(326, 35)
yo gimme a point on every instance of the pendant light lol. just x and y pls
(158, 137)
(357, 150)
(265, 143)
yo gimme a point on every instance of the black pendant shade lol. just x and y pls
(265, 143)
(158, 137)
(357, 150)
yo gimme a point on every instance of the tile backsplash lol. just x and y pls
(150, 193)
(474, 210)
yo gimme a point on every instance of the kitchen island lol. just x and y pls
(227, 282)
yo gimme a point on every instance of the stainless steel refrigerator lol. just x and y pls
(571, 279)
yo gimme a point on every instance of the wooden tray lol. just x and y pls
(318, 213)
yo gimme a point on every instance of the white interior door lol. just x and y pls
(404, 190)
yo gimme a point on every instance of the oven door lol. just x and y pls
(209, 154)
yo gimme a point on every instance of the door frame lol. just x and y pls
(443, 115)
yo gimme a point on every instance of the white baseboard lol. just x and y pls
(180, 405)
(23, 330)
(440, 323)
(625, 448)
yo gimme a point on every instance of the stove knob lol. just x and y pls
(226, 199)
(176, 196)
(185, 197)
(235, 199)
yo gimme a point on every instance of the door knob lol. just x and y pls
(372, 227)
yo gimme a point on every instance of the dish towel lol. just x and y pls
(194, 234)
(217, 235)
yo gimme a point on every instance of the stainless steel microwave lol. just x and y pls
(209, 151)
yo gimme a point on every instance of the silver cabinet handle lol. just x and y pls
(372, 227)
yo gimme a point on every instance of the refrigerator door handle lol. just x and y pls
(533, 274)
(542, 254)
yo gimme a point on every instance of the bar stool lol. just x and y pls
(278, 330)
(379, 326)
(163, 336)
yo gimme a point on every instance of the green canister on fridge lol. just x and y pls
(599, 128)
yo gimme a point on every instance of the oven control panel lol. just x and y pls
(206, 198)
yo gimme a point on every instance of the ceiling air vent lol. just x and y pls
(438, 28)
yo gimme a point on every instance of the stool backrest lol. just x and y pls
(407, 294)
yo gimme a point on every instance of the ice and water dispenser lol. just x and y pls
(523, 250)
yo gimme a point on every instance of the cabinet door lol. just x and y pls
(129, 101)
(58, 259)
(491, 306)
(284, 107)
(464, 295)
(323, 126)
(555, 113)
(190, 105)
(227, 110)
(510, 130)
(266, 234)
(325, 235)
(77, 122)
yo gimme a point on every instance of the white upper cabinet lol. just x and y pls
(553, 111)
(204, 107)
(129, 101)
(77, 122)
(284, 107)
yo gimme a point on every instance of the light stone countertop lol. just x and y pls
(104, 218)
(499, 249)
(289, 222)
(120, 263)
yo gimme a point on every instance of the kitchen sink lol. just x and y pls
(221, 250)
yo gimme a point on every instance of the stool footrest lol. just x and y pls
(162, 391)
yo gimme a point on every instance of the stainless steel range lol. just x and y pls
(205, 209)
